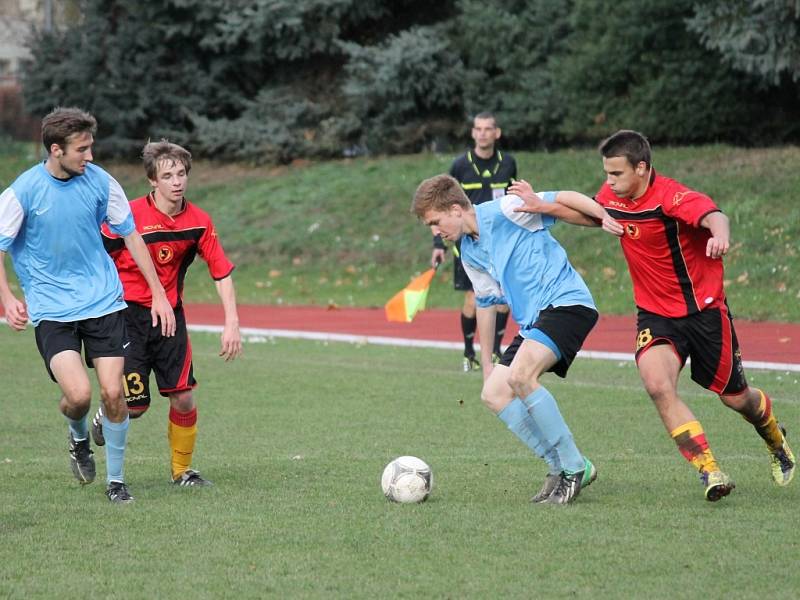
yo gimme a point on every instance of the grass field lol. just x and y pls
(295, 436)
(340, 232)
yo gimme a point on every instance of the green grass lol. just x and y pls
(296, 434)
(340, 232)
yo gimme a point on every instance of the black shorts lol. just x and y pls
(461, 280)
(707, 337)
(170, 358)
(566, 326)
(100, 337)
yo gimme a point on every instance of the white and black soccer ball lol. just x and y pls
(407, 479)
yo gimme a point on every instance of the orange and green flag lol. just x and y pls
(411, 299)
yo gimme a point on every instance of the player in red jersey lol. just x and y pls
(673, 240)
(174, 230)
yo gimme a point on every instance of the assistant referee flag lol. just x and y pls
(405, 304)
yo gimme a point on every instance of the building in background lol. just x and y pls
(18, 18)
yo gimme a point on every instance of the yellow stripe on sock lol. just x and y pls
(692, 444)
(181, 442)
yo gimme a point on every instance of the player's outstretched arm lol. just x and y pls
(160, 309)
(533, 203)
(597, 215)
(16, 312)
(231, 339)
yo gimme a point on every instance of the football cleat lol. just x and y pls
(190, 478)
(782, 462)
(548, 486)
(717, 484)
(496, 356)
(97, 427)
(470, 363)
(81, 460)
(550, 482)
(117, 493)
(567, 488)
(589, 473)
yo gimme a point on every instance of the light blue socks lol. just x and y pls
(553, 429)
(79, 429)
(116, 435)
(517, 418)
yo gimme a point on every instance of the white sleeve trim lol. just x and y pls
(529, 221)
(487, 290)
(11, 214)
(118, 207)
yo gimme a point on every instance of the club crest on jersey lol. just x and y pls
(164, 254)
(677, 198)
(632, 231)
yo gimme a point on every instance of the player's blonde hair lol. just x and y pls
(438, 193)
(155, 153)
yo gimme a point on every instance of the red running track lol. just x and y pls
(760, 341)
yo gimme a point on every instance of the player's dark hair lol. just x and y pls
(154, 153)
(438, 193)
(62, 123)
(628, 143)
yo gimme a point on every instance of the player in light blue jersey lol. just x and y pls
(50, 221)
(511, 257)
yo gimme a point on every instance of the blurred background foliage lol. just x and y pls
(270, 81)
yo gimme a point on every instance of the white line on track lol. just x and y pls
(256, 335)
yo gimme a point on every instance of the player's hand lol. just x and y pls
(717, 247)
(16, 313)
(231, 342)
(162, 312)
(612, 226)
(437, 257)
(523, 189)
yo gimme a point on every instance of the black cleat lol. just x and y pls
(97, 428)
(81, 460)
(117, 493)
(470, 363)
(190, 478)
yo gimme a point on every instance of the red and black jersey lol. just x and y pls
(665, 247)
(173, 242)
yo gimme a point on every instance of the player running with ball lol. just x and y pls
(511, 257)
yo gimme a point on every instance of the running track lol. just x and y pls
(769, 345)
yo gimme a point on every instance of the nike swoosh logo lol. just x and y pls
(39, 213)
(125, 345)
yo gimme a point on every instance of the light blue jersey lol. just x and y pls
(51, 228)
(515, 258)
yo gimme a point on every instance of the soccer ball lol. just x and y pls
(407, 479)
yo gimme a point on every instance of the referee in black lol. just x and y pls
(484, 173)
